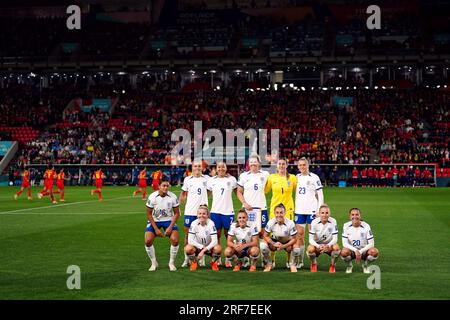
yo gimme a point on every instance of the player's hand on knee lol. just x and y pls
(168, 232)
(159, 233)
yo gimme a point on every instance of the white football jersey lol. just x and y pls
(203, 233)
(197, 193)
(242, 235)
(305, 196)
(357, 237)
(283, 230)
(323, 233)
(162, 206)
(222, 189)
(253, 184)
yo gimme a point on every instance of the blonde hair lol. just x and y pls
(204, 206)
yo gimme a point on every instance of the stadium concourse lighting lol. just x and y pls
(303, 88)
(212, 71)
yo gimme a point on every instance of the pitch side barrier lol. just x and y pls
(338, 175)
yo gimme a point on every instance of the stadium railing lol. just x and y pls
(332, 175)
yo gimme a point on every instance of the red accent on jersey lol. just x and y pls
(142, 175)
(49, 177)
(157, 175)
(26, 176)
(364, 173)
(417, 173)
(390, 174)
(98, 175)
(60, 177)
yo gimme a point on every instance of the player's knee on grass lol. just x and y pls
(217, 249)
(373, 252)
(229, 252)
(189, 250)
(345, 253)
(254, 251)
(336, 247)
(311, 249)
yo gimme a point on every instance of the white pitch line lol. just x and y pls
(61, 205)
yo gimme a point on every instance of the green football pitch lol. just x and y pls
(38, 241)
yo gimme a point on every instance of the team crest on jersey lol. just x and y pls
(308, 183)
(288, 183)
(228, 183)
(204, 183)
(330, 230)
(262, 179)
(286, 233)
(249, 233)
(207, 233)
(362, 234)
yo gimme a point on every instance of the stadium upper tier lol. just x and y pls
(299, 31)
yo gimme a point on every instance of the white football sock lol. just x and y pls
(151, 253)
(173, 253)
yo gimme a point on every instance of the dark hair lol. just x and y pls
(350, 211)
(163, 180)
(280, 205)
(242, 210)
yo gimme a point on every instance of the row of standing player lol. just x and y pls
(393, 176)
(280, 232)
